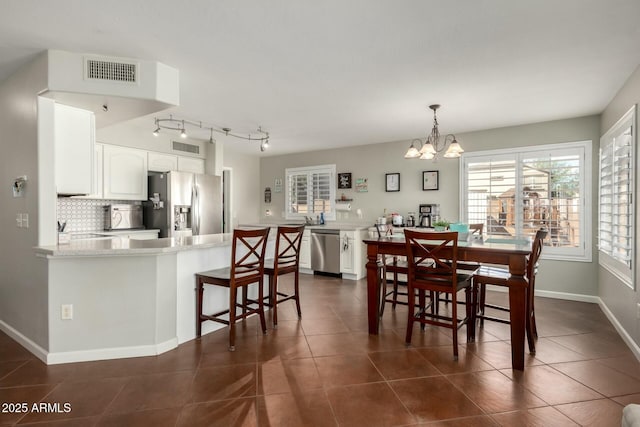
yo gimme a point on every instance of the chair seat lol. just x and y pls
(219, 273)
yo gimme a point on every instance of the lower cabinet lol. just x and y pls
(305, 250)
(347, 243)
(352, 255)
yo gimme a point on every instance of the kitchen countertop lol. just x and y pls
(124, 246)
(342, 226)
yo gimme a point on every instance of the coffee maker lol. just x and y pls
(429, 213)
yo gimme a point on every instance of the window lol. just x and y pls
(311, 191)
(616, 219)
(515, 192)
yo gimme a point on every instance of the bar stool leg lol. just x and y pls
(199, 295)
(296, 290)
(263, 323)
(273, 289)
(232, 317)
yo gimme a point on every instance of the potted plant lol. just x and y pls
(441, 224)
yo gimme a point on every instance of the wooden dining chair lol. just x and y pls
(395, 266)
(476, 229)
(287, 261)
(432, 261)
(247, 267)
(489, 275)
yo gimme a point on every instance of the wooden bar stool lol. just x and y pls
(433, 259)
(247, 267)
(287, 261)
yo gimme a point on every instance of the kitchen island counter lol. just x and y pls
(124, 246)
(129, 297)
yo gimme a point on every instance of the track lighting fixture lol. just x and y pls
(180, 126)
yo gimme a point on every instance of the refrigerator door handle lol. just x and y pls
(195, 217)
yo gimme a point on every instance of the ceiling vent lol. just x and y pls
(113, 71)
(187, 148)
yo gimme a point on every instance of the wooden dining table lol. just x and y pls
(513, 255)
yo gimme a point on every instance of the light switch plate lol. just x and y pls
(19, 220)
(25, 220)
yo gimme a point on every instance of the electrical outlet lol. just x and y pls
(66, 311)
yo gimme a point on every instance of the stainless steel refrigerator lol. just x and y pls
(184, 204)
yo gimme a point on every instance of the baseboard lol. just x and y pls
(34, 348)
(635, 349)
(553, 294)
(111, 353)
(568, 296)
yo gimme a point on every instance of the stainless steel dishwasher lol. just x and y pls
(325, 250)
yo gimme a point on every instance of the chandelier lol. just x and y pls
(434, 145)
(173, 123)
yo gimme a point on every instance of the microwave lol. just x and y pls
(123, 217)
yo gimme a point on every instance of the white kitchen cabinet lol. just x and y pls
(190, 164)
(125, 173)
(96, 187)
(352, 255)
(305, 251)
(347, 250)
(74, 139)
(160, 162)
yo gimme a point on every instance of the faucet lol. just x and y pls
(308, 220)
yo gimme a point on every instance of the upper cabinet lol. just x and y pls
(74, 136)
(190, 164)
(160, 162)
(125, 173)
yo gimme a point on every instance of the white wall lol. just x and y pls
(621, 300)
(373, 161)
(245, 184)
(23, 278)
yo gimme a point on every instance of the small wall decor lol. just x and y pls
(362, 185)
(430, 180)
(344, 180)
(392, 182)
(267, 195)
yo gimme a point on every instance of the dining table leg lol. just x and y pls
(517, 308)
(373, 288)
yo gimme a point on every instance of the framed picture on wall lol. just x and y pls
(429, 180)
(392, 182)
(344, 180)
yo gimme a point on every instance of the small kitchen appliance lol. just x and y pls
(429, 213)
(123, 217)
(411, 219)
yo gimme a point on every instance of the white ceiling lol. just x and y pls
(321, 74)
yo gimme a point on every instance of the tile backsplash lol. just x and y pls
(85, 215)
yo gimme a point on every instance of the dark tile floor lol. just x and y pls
(325, 370)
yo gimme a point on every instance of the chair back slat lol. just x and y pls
(288, 243)
(427, 258)
(536, 250)
(247, 253)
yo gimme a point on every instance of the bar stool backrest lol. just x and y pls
(288, 243)
(247, 255)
